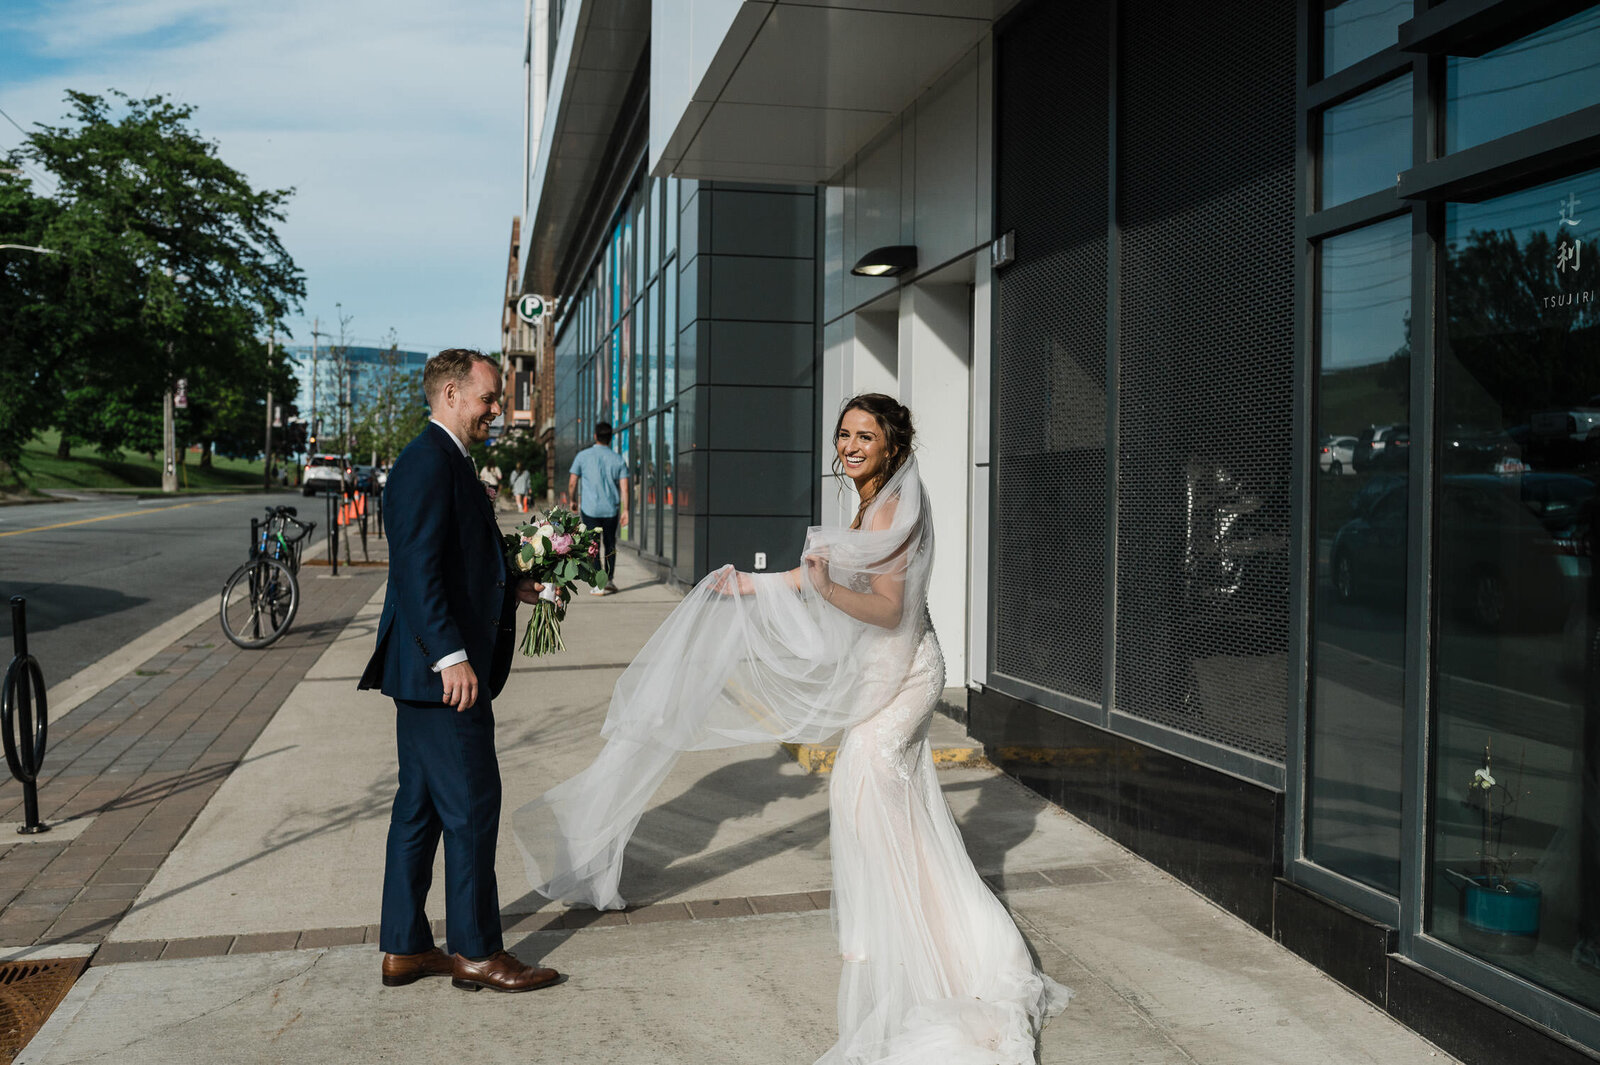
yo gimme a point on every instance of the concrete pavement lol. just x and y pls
(252, 940)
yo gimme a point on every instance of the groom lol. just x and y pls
(444, 650)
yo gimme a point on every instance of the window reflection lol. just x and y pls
(1358, 638)
(1515, 875)
(1543, 76)
(1355, 29)
(1366, 142)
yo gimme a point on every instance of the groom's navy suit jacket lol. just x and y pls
(448, 586)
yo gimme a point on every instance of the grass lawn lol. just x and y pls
(134, 472)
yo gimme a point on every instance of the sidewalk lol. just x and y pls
(251, 937)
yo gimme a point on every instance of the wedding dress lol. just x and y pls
(935, 970)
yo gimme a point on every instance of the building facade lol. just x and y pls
(1254, 354)
(336, 379)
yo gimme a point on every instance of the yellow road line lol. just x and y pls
(108, 517)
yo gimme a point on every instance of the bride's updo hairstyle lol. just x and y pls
(893, 418)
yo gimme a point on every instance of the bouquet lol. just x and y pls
(558, 551)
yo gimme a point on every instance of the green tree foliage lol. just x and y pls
(170, 267)
(390, 410)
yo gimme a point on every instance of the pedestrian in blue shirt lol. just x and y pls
(598, 484)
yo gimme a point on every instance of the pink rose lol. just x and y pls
(594, 549)
(562, 544)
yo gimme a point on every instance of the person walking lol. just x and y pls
(444, 648)
(490, 478)
(598, 486)
(521, 481)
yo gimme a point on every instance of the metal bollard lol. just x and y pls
(333, 534)
(24, 685)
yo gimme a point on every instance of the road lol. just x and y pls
(100, 573)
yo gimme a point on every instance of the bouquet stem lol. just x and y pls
(543, 635)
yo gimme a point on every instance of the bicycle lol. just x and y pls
(261, 597)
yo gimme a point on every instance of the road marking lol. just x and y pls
(108, 517)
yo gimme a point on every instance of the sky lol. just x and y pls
(397, 123)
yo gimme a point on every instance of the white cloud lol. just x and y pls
(398, 124)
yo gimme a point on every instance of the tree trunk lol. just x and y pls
(205, 455)
(64, 447)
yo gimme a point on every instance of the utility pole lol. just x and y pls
(266, 463)
(316, 324)
(169, 457)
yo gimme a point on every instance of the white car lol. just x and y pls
(1336, 454)
(324, 473)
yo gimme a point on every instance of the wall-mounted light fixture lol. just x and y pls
(890, 261)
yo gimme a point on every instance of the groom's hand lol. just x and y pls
(460, 686)
(528, 590)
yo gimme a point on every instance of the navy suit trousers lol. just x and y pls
(449, 786)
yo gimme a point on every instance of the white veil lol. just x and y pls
(728, 669)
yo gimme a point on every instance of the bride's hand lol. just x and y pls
(817, 571)
(733, 582)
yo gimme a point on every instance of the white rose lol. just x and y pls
(547, 531)
(538, 547)
(582, 527)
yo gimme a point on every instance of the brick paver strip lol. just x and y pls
(263, 942)
(796, 902)
(138, 950)
(142, 758)
(330, 937)
(530, 923)
(199, 947)
(712, 908)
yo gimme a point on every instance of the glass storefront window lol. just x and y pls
(1366, 142)
(650, 349)
(669, 465)
(1355, 29)
(650, 453)
(656, 222)
(672, 217)
(1515, 830)
(669, 333)
(1358, 636)
(1543, 76)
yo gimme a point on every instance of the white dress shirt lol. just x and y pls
(455, 656)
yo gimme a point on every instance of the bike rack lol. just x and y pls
(24, 687)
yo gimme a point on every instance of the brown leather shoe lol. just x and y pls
(500, 971)
(402, 969)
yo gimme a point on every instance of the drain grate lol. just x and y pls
(29, 991)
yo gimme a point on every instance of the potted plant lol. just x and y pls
(1499, 911)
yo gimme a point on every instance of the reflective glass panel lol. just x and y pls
(669, 333)
(649, 454)
(1355, 29)
(1366, 142)
(650, 347)
(1543, 76)
(1515, 829)
(1362, 449)
(669, 465)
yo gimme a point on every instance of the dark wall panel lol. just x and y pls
(1052, 130)
(1206, 158)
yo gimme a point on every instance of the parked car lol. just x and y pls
(325, 473)
(1513, 551)
(364, 479)
(1382, 447)
(1336, 455)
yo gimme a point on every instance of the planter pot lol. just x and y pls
(1500, 915)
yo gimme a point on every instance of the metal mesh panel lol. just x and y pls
(1205, 313)
(1051, 342)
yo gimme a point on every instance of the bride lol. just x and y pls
(934, 968)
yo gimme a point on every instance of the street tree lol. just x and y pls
(170, 265)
